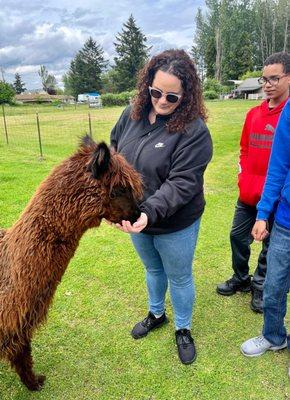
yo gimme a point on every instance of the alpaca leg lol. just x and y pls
(22, 363)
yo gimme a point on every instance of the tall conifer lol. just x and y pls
(18, 85)
(132, 54)
(85, 69)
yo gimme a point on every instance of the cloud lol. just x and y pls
(33, 33)
(46, 44)
(25, 69)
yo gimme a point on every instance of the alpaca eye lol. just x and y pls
(118, 192)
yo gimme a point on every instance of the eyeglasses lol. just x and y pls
(170, 97)
(273, 80)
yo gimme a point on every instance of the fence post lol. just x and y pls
(90, 125)
(39, 136)
(5, 125)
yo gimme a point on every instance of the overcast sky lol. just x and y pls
(37, 32)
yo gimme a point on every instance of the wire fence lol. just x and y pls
(46, 130)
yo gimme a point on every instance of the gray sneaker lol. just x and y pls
(259, 345)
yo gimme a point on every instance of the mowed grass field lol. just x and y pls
(85, 348)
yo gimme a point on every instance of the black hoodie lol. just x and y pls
(172, 166)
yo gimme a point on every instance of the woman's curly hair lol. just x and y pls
(179, 64)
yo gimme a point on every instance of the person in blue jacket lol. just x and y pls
(275, 197)
(164, 136)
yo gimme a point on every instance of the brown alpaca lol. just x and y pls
(92, 184)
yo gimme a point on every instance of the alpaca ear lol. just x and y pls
(101, 160)
(87, 141)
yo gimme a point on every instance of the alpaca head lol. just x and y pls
(104, 184)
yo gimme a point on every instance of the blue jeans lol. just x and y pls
(168, 258)
(277, 285)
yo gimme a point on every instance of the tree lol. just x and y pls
(48, 80)
(238, 52)
(251, 74)
(85, 70)
(198, 48)
(208, 38)
(225, 38)
(236, 36)
(271, 28)
(18, 85)
(132, 54)
(6, 93)
(109, 79)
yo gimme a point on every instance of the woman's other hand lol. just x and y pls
(259, 231)
(137, 227)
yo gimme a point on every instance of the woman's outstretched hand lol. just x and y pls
(137, 227)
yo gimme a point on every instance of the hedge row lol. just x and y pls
(117, 99)
(124, 98)
(210, 95)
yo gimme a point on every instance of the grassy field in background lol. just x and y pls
(85, 348)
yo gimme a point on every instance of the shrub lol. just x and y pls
(251, 74)
(39, 99)
(227, 89)
(212, 85)
(210, 95)
(6, 93)
(117, 99)
(56, 103)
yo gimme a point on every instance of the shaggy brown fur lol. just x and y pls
(34, 253)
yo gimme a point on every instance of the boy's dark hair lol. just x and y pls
(279, 58)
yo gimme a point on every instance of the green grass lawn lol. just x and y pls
(85, 348)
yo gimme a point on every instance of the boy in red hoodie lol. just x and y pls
(255, 149)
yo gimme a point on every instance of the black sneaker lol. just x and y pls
(232, 286)
(257, 300)
(142, 328)
(185, 346)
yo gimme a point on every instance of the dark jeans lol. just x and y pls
(241, 239)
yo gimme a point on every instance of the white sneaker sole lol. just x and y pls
(273, 348)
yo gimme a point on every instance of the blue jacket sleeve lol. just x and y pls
(279, 166)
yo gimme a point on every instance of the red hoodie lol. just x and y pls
(255, 149)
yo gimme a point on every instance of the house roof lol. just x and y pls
(90, 94)
(27, 97)
(235, 81)
(249, 84)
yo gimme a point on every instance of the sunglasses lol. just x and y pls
(170, 97)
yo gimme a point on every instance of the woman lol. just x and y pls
(276, 196)
(163, 135)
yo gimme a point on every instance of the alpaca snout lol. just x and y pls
(135, 215)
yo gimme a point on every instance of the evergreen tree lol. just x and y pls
(237, 30)
(132, 54)
(198, 48)
(18, 85)
(85, 69)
